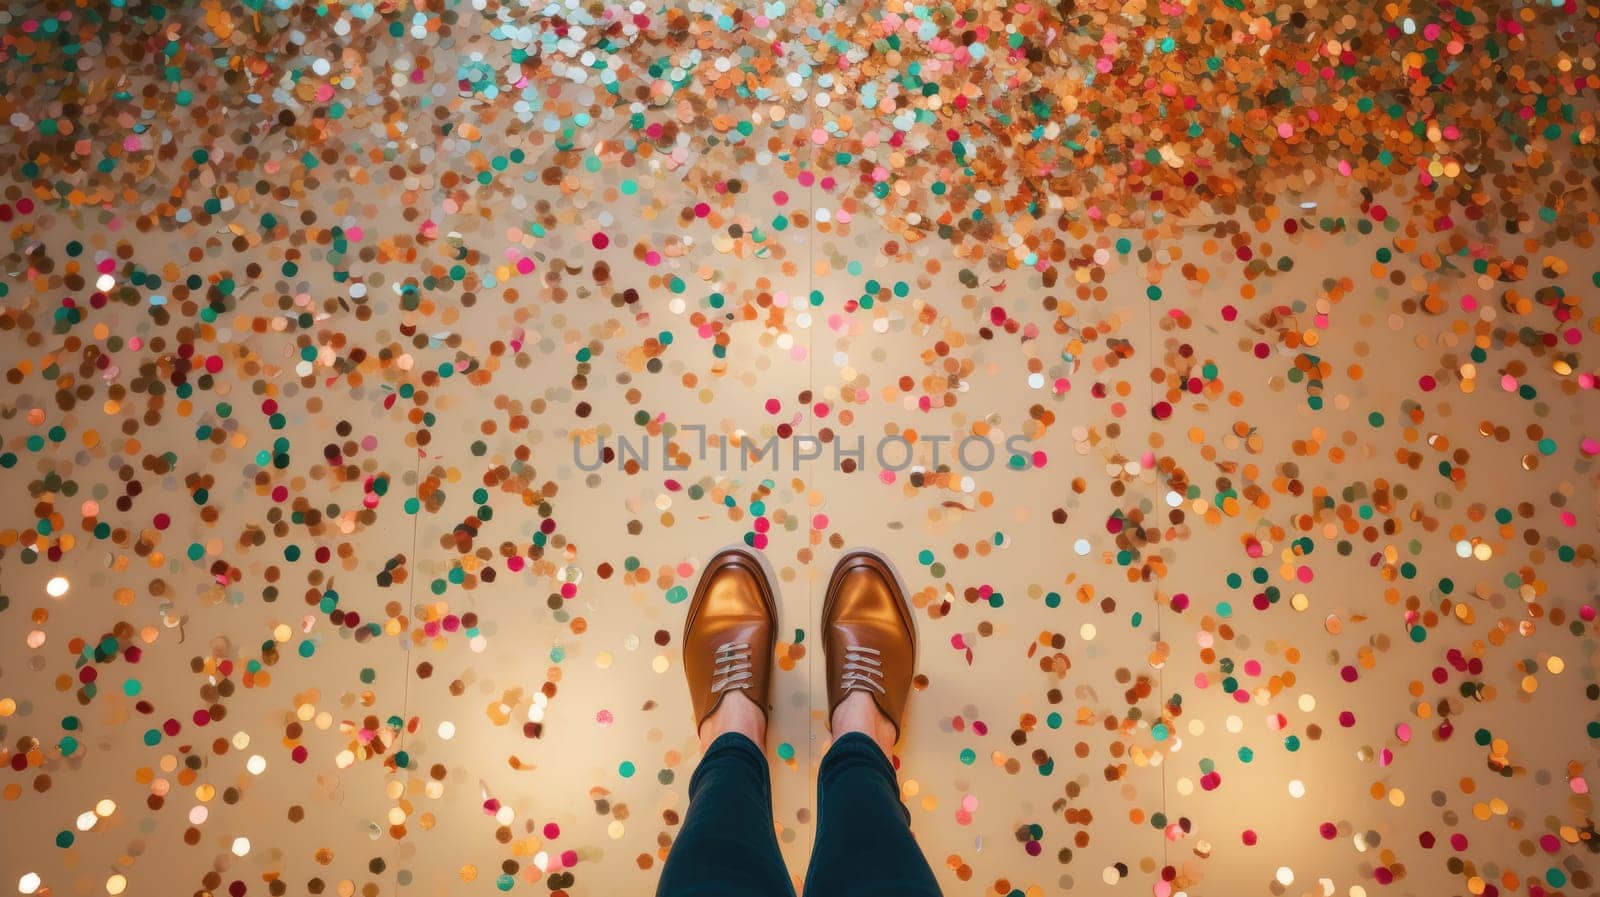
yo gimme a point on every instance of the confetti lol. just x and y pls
(380, 376)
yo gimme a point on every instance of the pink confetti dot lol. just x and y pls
(600, 240)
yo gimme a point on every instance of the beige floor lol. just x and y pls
(543, 744)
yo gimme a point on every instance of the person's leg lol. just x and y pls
(864, 844)
(869, 638)
(727, 846)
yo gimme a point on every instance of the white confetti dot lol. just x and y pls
(1285, 875)
(241, 846)
(57, 586)
(28, 883)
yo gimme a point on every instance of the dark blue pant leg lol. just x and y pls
(864, 844)
(727, 846)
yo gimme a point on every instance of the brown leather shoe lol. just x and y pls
(869, 635)
(730, 632)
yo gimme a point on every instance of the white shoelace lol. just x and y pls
(732, 666)
(863, 670)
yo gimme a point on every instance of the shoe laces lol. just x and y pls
(732, 666)
(863, 670)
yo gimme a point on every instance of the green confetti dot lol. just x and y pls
(626, 769)
(785, 751)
